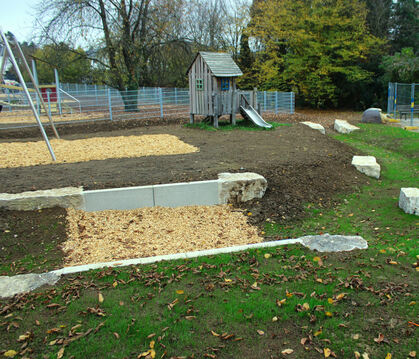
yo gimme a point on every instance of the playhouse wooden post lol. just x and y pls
(216, 110)
(233, 103)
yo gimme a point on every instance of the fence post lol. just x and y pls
(161, 102)
(96, 95)
(389, 98)
(292, 102)
(395, 100)
(412, 103)
(57, 89)
(264, 101)
(49, 103)
(8, 99)
(85, 87)
(176, 95)
(276, 101)
(110, 103)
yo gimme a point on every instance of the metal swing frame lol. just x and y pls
(8, 53)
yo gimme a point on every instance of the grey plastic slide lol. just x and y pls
(251, 114)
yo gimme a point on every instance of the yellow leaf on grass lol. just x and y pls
(114, 284)
(152, 344)
(327, 352)
(60, 353)
(227, 280)
(281, 302)
(328, 314)
(330, 300)
(260, 332)
(267, 255)
(180, 291)
(340, 296)
(316, 259)
(10, 353)
(287, 351)
(382, 250)
(100, 298)
(215, 334)
(412, 354)
(357, 355)
(388, 356)
(318, 333)
(393, 262)
(306, 306)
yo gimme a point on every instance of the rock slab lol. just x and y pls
(33, 200)
(240, 187)
(333, 243)
(343, 126)
(367, 165)
(315, 126)
(9, 286)
(409, 200)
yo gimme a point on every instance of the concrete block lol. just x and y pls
(32, 200)
(241, 187)
(409, 200)
(315, 126)
(367, 165)
(202, 193)
(118, 198)
(342, 126)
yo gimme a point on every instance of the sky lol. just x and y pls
(18, 17)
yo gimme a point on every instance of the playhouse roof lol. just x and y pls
(220, 63)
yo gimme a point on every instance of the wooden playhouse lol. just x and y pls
(213, 92)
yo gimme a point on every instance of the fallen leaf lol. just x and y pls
(388, 356)
(180, 291)
(412, 354)
(328, 314)
(152, 343)
(116, 335)
(281, 302)
(215, 334)
(365, 356)
(114, 284)
(392, 262)
(355, 336)
(10, 353)
(327, 352)
(340, 296)
(318, 333)
(151, 335)
(318, 260)
(267, 255)
(275, 319)
(380, 338)
(357, 355)
(260, 332)
(306, 306)
(287, 351)
(100, 298)
(227, 280)
(60, 353)
(330, 300)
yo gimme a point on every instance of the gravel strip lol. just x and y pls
(114, 235)
(21, 154)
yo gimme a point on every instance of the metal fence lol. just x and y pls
(401, 101)
(76, 102)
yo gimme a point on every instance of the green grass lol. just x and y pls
(352, 297)
(240, 125)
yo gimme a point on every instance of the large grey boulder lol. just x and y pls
(367, 165)
(9, 286)
(343, 126)
(241, 187)
(314, 126)
(372, 115)
(333, 243)
(32, 200)
(409, 200)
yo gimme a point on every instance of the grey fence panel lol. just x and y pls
(83, 102)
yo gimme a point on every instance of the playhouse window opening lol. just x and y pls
(225, 84)
(199, 84)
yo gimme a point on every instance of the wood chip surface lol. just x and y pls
(115, 235)
(20, 154)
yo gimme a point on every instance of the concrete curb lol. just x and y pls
(169, 257)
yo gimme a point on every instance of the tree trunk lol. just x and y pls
(130, 99)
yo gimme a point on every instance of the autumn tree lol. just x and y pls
(124, 34)
(312, 47)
